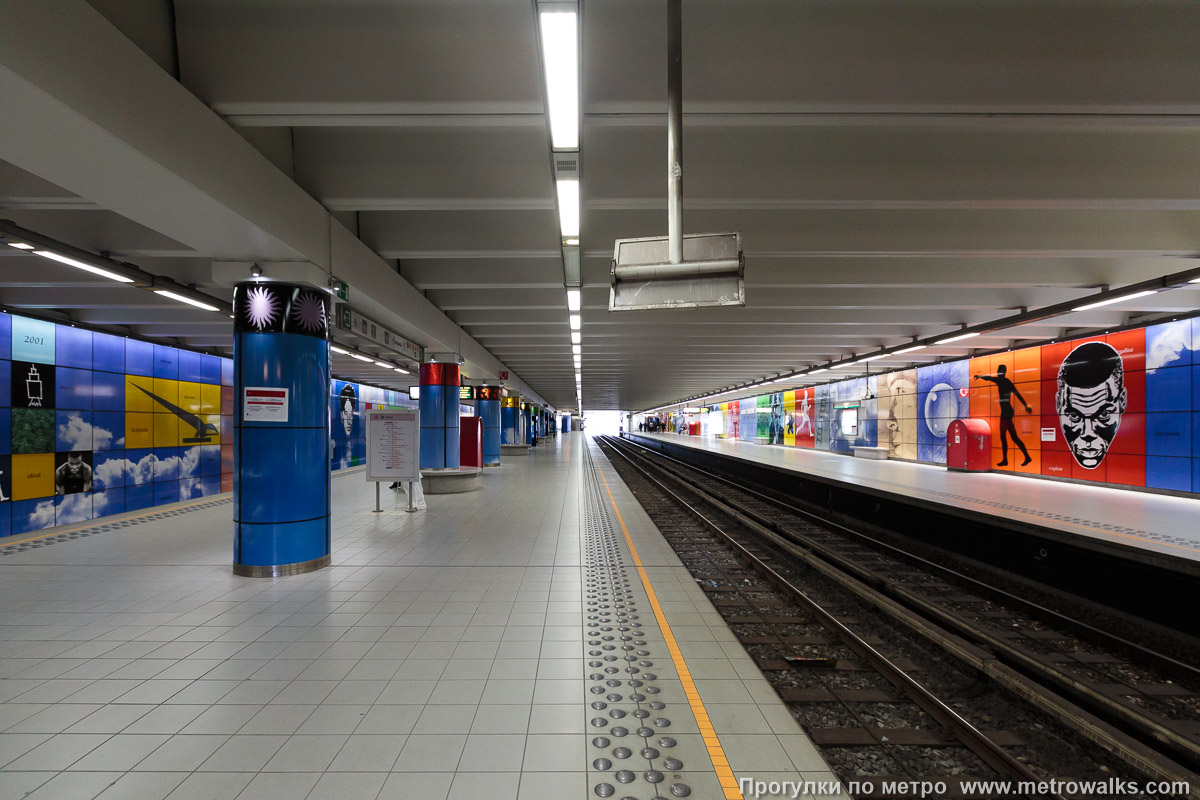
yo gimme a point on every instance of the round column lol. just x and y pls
(439, 415)
(510, 420)
(488, 408)
(281, 485)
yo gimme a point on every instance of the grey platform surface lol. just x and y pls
(1129, 520)
(443, 655)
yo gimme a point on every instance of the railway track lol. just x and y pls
(759, 560)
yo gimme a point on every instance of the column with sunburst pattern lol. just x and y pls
(281, 484)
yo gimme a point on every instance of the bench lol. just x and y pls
(878, 453)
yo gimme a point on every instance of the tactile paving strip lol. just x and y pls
(630, 724)
(33, 544)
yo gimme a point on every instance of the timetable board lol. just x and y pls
(393, 445)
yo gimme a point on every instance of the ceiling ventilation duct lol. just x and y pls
(677, 271)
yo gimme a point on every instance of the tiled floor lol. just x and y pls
(1116, 519)
(442, 656)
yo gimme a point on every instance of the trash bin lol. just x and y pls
(969, 445)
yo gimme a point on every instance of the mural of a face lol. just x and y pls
(1090, 400)
(348, 403)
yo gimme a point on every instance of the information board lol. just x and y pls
(264, 404)
(393, 445)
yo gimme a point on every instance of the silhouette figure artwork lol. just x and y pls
(1090, 401)
(1006, 389)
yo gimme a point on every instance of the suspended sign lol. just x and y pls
(350, 320)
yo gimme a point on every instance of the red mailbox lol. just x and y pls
(470, 442)
(969, 445)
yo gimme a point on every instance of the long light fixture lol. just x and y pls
(1108, 301)
(576, 337)
(958, 338)
(71, 262)
(912, 349)
(21, 246)
(568, 207)
(560, 57)
(401, 370)
(185, 299)
(576, 322)
(819, 371)
(573, 299)
(362, 358)
(383, 364)
(337, 349)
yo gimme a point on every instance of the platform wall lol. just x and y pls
(1125, 410)
(93, 424)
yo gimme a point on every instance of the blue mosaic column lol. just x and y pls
(527, 415)
(439, 416)
(281, 429)
(510, 420)
(488, 408)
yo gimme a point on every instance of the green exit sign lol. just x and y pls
(343, 291)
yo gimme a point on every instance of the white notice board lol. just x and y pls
(394, 445)
(264, 404)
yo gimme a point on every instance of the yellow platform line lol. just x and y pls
(94, 522)
(716, 753)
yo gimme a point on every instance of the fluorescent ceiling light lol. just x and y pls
(577, 349)
(1110, 300)
(576, 322)
(183, 299)
(568, 207)
(576, 337)
(572, 299)
(50, 254)
(819, 371)
(401, 370)
(361, 358)
(571, 241)
(912, 349)
(560, 58)
(958, 338)
(337, 349)
(383, 364)
(21, 246)
(872, 358)
(843, 365)
(1194, 280)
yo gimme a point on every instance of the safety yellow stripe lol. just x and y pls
(716, 753)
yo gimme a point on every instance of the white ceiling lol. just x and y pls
(897, 169)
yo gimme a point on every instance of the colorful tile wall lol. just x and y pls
(93, 424)
(1121, 408)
